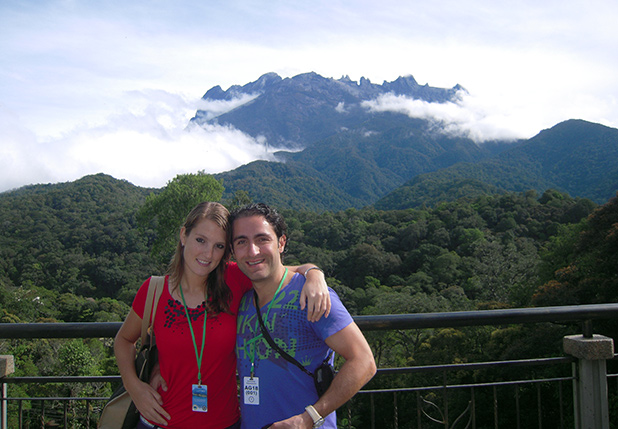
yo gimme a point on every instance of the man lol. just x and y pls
(273, 391)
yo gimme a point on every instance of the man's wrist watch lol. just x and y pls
(318, 420)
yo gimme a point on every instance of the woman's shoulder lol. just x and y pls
(139, 301)
(232, 272)
(235, 278)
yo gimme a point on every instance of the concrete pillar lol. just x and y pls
(590, 384)
(7, 367)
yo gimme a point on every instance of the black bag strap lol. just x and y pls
(270, 341)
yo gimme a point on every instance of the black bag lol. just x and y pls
(120, 411)
(323, 375)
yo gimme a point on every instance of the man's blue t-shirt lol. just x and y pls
(281, 389)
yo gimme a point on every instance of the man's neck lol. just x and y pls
(267, 288)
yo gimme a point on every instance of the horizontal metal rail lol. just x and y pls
(367, 323)
(63, 380)
(380, 371)
(467, 385)
(58, 398)
(478, 365)
(488, 317)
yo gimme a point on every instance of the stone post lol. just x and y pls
(7, 367)
(590, 383)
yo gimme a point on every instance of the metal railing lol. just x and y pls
(467, 412)
(442, 404)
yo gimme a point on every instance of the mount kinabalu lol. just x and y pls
(349, 156)
(294, 113)
(352, 156)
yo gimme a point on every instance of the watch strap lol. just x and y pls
(315, 416)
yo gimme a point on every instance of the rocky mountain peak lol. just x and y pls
(295, 112)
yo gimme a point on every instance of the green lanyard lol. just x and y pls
(253, 340)
(201, 354)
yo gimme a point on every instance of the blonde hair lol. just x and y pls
(219, 294)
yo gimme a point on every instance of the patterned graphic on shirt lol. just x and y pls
(176, 319)
(287, 326)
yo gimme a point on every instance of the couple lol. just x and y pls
(201, 279)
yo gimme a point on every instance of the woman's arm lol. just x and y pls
(146, 399)
(315, 291)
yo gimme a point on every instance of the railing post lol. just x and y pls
(7, 367)
(590, 385)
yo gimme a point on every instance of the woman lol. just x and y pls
(200, 278)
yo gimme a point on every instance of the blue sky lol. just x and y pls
(108, 86)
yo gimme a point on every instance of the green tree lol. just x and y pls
(446, 346)
(75, 358)
(505, 271)
(240, 199)
(168, 208)
(583, 260)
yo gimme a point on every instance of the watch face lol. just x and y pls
(319, 423)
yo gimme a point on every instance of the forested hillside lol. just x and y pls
(451, 257)
(356, 166)
(61, 244)
(80, 240)
(576, 157)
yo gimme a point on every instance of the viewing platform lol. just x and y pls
(567, 391)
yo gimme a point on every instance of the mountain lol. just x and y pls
(351, 154)
(287, 185)
(354, 167)
(338, 153)
(576, 157)
(78, 237)
(293, 113)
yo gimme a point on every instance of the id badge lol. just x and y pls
(251, 389)
(199, 398)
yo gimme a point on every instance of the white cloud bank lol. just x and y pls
(466, 117)
(148, 145)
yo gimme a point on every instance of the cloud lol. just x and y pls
(212, 108)
(465, 117)
(148, 145)
(17, 151)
